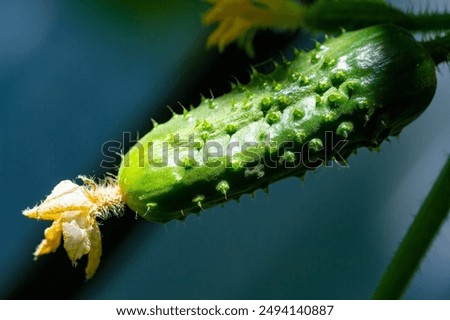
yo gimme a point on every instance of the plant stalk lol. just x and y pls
(332, 16)
(439, 48)
(417, 240)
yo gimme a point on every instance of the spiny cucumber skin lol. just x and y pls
(362, 86)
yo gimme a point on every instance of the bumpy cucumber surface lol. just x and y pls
(360, 87)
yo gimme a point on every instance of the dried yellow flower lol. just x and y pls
(236, 18)
(74, 210)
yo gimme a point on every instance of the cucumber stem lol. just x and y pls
(429, 22)
(331, 16)
(417, 240)
(439, 48)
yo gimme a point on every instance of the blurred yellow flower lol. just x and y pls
(237, 18)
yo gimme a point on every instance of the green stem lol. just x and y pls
(439, 48)
(429, 22)
(331, 16)
(418, 239)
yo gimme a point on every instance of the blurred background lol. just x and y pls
(76, 74)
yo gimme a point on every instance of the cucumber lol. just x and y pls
(352, 91)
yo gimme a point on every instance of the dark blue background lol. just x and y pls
(75, 74)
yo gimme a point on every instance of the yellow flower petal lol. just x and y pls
(76, 241)
(238, 17)
(64, 197)
(96, 251)
(52, 239)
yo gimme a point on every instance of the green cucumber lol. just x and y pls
(359, 88)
